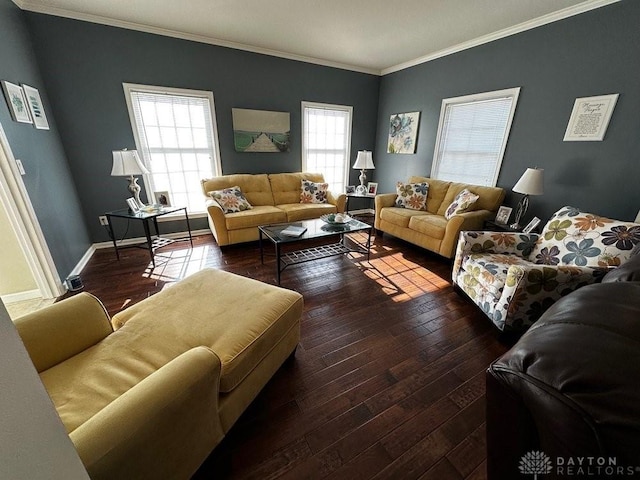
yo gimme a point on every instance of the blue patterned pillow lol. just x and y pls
(412, 195)
(314, 192)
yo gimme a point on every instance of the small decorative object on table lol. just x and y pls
(293, 231)
(503, 215)
(335, 218)
(350, 189)
(531, 225)
(372, 188)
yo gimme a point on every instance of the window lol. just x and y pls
(326, 142)
(176, 136)
(472, 136)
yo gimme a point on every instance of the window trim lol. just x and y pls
(328, 106)
(478, 97)
(129, 87)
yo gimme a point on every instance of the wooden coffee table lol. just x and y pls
(315, 229)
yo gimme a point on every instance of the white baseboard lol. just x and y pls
(21, 296)
(363, 211)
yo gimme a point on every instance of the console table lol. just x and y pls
(146, 218)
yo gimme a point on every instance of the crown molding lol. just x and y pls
(522, 27)
(85, 17)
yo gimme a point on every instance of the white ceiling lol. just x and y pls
(373, 36)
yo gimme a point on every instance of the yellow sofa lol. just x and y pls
(154, 397)
(430, 229)
(275, 198)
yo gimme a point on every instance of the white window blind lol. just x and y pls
(177, 139)
(326, 142)
(472, 136)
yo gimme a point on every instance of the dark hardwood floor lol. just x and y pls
(388, 379)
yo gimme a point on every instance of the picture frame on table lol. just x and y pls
(372, 188)
(531, 225)
(350, 189)
(35, 107)
(17, 102)
(162, 198)
(502, 217)
(133, 205)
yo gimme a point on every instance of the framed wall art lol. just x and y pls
(590, 118)
(17, 102)
(403, 132)
(261, 130)
(35, 107)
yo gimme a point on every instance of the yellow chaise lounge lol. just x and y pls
(154, 397)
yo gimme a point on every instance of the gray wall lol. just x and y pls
(48, 179)
(590, 54)
(85, 65)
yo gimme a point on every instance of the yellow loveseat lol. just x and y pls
(154, 397)
(430, 229)
(275, 198)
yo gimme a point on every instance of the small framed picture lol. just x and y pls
(162, 198)
(531, 225)
(350, 189)
(35, 107)
(133, 205)
(503, 215)
(17, 102)
(372, 188)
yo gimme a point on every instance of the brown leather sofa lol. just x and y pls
(565, 400)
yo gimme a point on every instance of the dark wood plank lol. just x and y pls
(388, 379)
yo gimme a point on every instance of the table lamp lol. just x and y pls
(127, 163)
(364, 161)
(530, 183)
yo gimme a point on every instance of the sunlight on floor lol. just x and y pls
(399, 277)
(175, 265)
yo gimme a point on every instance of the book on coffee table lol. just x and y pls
(293, 231)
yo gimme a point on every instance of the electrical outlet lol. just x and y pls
(103, 220)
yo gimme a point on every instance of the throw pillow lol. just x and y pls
(313, 192)
(231, 200)
(463, 202)
(412, 195)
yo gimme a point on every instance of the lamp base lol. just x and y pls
(361, 190)
(134, 188)
(523, 205)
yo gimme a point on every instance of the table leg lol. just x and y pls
(147, 233)
(278, 261)
(113, 236)
(261, 250)
(186, 216)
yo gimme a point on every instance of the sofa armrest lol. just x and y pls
(519, 244)
(164, 427)
(60, 331)
(473, 220)
(340, 201)
(381, 201)
(530, 290)
(217, 222)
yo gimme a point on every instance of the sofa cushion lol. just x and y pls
(586, 239)
(230, 199)
(256, 188)
(400, 216)
(313, 192)
(260, 215)
(490, 198)
(412, 195)
(305, 211)
(431, 225)
(462, 203)
(286, 186)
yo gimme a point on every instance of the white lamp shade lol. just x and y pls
(127, 162)
(530, 182)
(364, 161)
(638, 217)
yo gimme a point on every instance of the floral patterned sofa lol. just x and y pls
(515, 277)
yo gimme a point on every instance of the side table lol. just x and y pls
(356, 195)
(492, 226)
(146, 218)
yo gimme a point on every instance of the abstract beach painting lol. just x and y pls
(261, 130)
(403, 131)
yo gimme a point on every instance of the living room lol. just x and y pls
(79, 68)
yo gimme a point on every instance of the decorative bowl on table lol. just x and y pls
(336, 218)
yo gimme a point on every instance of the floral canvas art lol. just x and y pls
(403, 131)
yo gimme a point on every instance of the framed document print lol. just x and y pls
(590, 118)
